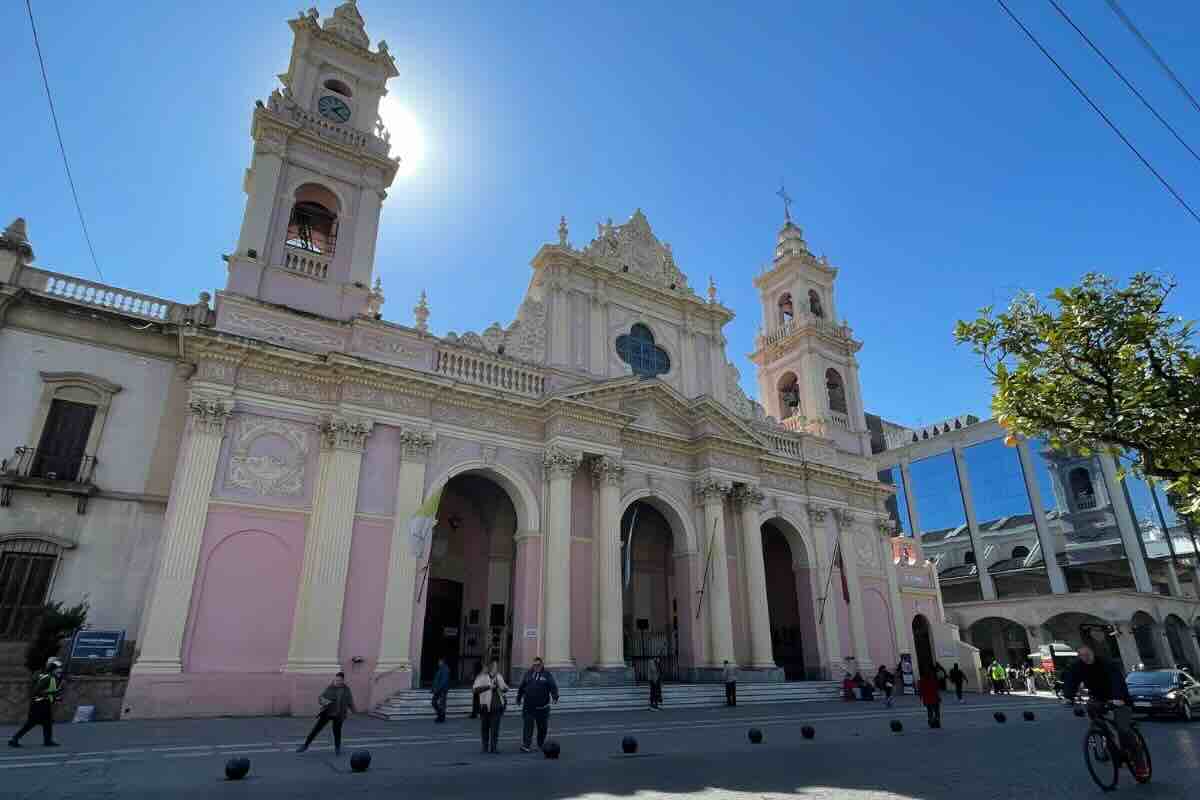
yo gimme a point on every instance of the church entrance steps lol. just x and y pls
(415, 703)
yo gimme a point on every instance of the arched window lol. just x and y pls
(334, 85)
(313, 223)
(1082, 490)
(1020, 552)
(814, 303)
(786, 312)
(789, 395)
(638, 350)
(837, 391)
(969, 557)
(28, 564)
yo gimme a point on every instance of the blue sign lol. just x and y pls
(93, 645)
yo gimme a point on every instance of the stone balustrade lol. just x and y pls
(100, 295)
(484, 369)
(307, 263)
(282, 104)
(805, 321)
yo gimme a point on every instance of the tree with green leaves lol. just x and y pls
(1102, 367)
(55, 623)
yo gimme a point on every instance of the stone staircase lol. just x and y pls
(415, 703)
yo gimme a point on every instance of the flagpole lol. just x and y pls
(825, 596)
(707, 561)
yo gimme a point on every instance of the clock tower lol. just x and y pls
(319, 173)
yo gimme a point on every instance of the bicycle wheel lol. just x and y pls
(1145, 756)
(1099, 759)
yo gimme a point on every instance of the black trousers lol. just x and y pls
(656, 693)
(958, 689)
(490, 728)
(39, 714)
(731, 693)
(474, 705)
(337, 730)
(934, 712)
(439, 703)
(531, 717)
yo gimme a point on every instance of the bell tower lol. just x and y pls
(319, 173)
(807, 372)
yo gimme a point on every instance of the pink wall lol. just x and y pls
(362, 614)
(881, 634)
(380, 472)
(526, 577)
(837, 600)
(583, 583)
(272, 446)
(691, 631)
(245, 593)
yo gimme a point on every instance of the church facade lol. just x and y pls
(605, 492)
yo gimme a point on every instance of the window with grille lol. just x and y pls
(638, 350)
(312, 227)
(64, 440)
(26, 571)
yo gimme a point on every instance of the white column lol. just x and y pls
(1129, 533)
(317, 628)
(827, 617)
(608, 474)
(187, 511)
(716, 563)
(598, 345)
(716, 351)
(986, 585)
(762, 655)
(846, 519)
(899, 620)
(395, 645)
(1058, 581)
(560, 468)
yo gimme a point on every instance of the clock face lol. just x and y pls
(333, 108)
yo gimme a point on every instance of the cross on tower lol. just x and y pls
(787, 202)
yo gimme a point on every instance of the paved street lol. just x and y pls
(683, 754)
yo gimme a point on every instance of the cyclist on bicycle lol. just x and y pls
(1106, 684)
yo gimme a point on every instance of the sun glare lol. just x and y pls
(408, 142)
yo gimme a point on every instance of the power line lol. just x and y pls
(1153, 53)
(1097, 109)
(1129, 85)
(61, 147)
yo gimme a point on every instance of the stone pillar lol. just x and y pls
(717, 352)
(1129, 532)
(187, 511)
(986, 585)
(317, 628)
(749, 499)
(899, 621)
(716, 563)
(608, 473)
(1058, 581)
(1127, 644)
(395, 641)
(845, 519)
(560, 468)
(827, 619)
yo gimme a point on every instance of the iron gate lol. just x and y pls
(641, 646)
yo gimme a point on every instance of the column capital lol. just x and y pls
(561, 463)
(209, 414)
(607, 470)
(887, 527)
(415, 445)
(816, 513)
(845, 517)
(711, 491)
(340, 432)
(748, 496)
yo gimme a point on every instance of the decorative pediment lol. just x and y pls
(633, 248)
(656, 415)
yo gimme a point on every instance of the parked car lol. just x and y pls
(1164, 691)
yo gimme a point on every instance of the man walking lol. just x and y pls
(47, 688)
(730, 674)
(958, 678)
(655, 679)
(441, 688)
(337, 703)
(536, 692)
(999, 678)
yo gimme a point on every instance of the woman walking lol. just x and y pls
(655, 678)
(490, 688)
(337, 702)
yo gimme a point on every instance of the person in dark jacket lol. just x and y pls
(1105, 684)
(958, 678)
(337, 702)
(885, 682)
(475, 697)
(441, 688)
(47, 689)
(534, 695)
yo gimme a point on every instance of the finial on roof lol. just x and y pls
(787, 202)
(421, 313)
(712, 290)
(562, 232)
(16, 231)
(347, 23)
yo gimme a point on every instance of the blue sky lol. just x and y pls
(933, 155)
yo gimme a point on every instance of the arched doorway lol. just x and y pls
(923, 644)
(1177, 634)
(1144, 634)
(1000, 639)
(467, 588)
(788, 571)
(1074, 628)
(649, 591)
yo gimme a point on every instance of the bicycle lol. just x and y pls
(1102, 750)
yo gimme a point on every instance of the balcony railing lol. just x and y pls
(840, 419)
(483, 369)
(306, 262)
(804, 321)
(100, 296)
(30, 468)
(282, 103)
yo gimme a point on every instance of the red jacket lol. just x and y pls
(928, 689)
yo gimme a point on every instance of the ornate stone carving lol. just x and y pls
(277, 330)
(845, 517)
(867, 548)
(708, 491)
(816, 513)
(209, 415)
(394, 348)
(642, 451)
(479, 419)
(607, 469)
(560, 463)
(649, 416)
(583, 430)
(487, 454)
(783, 483)
(748, 496)
(730, 461)
(886, 526)
(283, 385)
(523, 340)
(415, 445)
(633, 248)
(268, 475)
(345, 433)
(381, 398)
(737, 399)
(220, 371)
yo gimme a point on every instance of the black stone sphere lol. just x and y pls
(629, 745)
(360, 760)
(1079, 712)
(999, 717)
(551, 749)
(755, 736)
(237, 768)
(807, 732)
(896, 726)
(1029, 716)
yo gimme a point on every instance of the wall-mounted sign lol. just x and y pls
(531, 631)
(94, 645)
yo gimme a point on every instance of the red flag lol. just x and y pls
(842, 571)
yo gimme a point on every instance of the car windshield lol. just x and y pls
(1150, 679)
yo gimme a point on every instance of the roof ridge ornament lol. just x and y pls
(633, 248)
(787, 201)
(346, 23)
